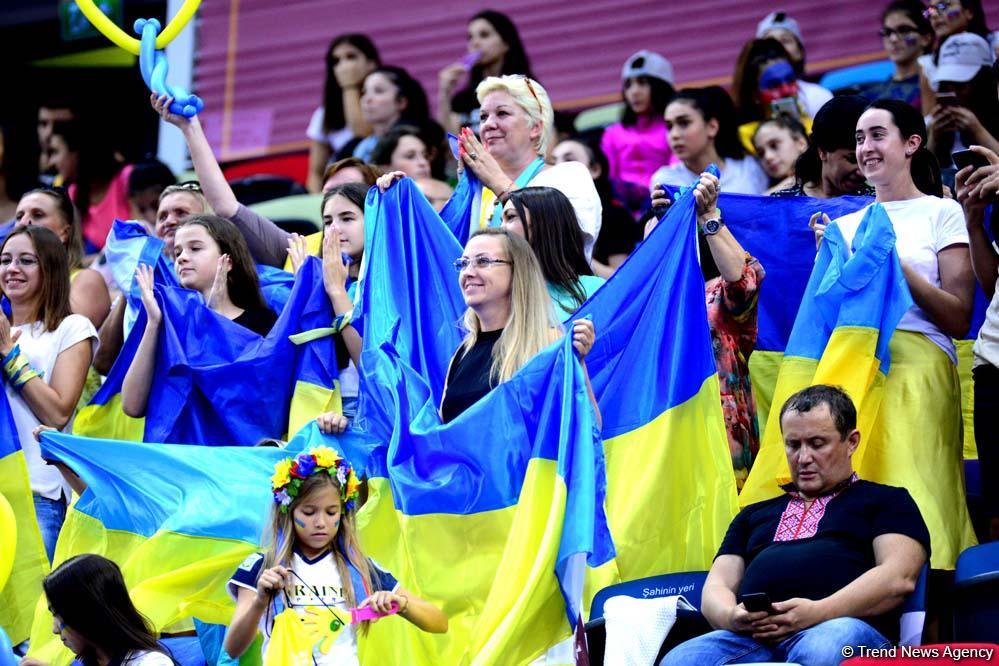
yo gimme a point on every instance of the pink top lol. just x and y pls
(635, 152)
(98, 219)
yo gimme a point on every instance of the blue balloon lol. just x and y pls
(7, 657)
(153, 67)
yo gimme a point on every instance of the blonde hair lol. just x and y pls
(188, 188)
(532, 325)
(344, 547)
(529, 96)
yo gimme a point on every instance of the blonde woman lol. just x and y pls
(516, 128)
(510, 318)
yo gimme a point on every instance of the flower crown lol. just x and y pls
(291, 473)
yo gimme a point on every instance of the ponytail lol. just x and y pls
(925, 170)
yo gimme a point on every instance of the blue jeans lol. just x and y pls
(820, 645)
(51, 514)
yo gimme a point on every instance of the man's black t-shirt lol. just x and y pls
(790, 552)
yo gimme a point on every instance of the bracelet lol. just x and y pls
(340, 322)
(402, 611)
(501, 198)
(14, 351)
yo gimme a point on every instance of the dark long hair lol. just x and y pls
(89, 596)
(53, 297)
(514, 62)
(382, 153)
(355, 193)
(662, 94)
(913, 10)
(333, 118)
(97, 160)
(746, 81)
(555, 237)
(417, 109)
(74, 239)
(714, 103)
(833, 128)
(924, 167)
(242, 282)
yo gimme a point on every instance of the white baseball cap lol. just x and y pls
(778, 21)
(961, 56)
(647, 63)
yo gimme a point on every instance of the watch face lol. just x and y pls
(712, 226)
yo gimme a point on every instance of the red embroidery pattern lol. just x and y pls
(797, 522)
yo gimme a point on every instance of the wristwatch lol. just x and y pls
(712, 226)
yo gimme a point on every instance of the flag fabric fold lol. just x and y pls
(849, 312)
(30, 563)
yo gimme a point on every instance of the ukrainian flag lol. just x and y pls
(498, 532)
(851, 307)
(30, 563)
(212, 375)
(178, 520)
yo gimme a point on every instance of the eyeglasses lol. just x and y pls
(24, 261)
(935, 8)
(186, 186)
(901, 31)
(480, 263)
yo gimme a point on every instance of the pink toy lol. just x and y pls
(369, 613)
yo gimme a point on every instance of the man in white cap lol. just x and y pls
(967, 110)
(778, 25)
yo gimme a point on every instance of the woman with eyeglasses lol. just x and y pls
(516, 134)
(46, 350)
(948, 18)
(508, 321)
(906, 35)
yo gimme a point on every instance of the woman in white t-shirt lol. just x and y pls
(95, 618)
(46, 351)
(701, 130)
(917, 442)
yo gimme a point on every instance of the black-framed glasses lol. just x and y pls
(901, 31)
(480, 263)
(935, 8)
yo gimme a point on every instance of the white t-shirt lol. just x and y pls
(987, 345)
(336, 139)
(812, 96)
(574, 181)
(41, 349)
(314, 583)
(923, 227)
(146, 658)
(738, 177)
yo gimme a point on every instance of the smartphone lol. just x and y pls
(947, 99)
(965, 158)
(756, 602)
(785, 106)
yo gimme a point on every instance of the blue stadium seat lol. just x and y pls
(976, 595)
(857, 75)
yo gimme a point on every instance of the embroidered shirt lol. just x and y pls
(790, 553)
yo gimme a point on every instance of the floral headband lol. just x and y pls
(291, 473)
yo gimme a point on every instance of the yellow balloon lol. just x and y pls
(8, 539)
(119, 37)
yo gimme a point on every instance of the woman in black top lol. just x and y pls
(210, 256)
(509, 318)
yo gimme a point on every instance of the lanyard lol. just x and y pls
(525, 177)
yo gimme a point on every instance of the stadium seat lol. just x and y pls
(688, 623)
(914, 612)
(857, 75)
(976, 595)
(297, 207)
(599, 116)
(256, 189)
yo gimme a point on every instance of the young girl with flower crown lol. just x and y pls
(314, 570)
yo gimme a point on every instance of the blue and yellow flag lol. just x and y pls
(212, 375)
(178, 520)
(21, 540)
(847, 317)
(496, 529)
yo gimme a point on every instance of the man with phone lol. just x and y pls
(822, 567)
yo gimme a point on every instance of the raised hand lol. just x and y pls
(298, 250)
(144, 278)
(220, 287)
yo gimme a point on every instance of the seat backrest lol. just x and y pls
(914, 612)
(688, 583)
